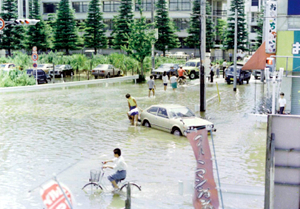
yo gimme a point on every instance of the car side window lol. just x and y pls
(162, 112)
(153, 110)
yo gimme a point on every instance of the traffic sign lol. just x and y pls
(34, 65)
(34, 49)
(2, 24)
(34, 57)
(53, 197)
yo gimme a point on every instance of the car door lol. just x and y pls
(163, 121)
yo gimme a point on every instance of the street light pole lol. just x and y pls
(152, 20)
(235, 49)
(202, 54)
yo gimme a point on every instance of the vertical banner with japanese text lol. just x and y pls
(205, 192)
(271, 26)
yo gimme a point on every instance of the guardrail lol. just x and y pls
(68, 84)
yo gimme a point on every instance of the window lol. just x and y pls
(153, 110)
(181, 24)
(293, 7)
(254, 3)
(254, 29)
(180, 5)
(146, 5)
(109, 24)
(80, 7)
(253, 16)
(162, 112)
(49, 7)
(110, 6)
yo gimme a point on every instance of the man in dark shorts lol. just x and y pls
(151, 85)
(120, 167)
(181, 73)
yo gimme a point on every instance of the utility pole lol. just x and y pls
(152, 20)
(202, 55)
(235, 49)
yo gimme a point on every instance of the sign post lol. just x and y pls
(35, 58)
(2, 24)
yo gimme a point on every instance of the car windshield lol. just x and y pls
(231, 69)
(58, 65)
(179, 52)
(102, 66)
(166, 66)
(29, 71)
(182, 112)
(192, 64)
(38, 72)
(41, 66)
(2, 66)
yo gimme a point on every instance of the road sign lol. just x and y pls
(34, 57)
(34, 49)
(53, 197)
(2, 24)
(35, 65)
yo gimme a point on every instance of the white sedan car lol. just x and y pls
(105, 70)
(45, 67)
(175, 119)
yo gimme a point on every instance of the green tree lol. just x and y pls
(65, 31)
(37, 35)
(193, 39)
(140, 40)
(94, 36)
(259, 30)
(121, 25)
(167, 39)
(221, 29)
(12, 37)
(242, 41)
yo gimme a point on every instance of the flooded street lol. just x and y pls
(44, 132)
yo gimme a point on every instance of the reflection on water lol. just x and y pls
(43, 132)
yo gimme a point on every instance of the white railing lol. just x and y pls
(68, 84)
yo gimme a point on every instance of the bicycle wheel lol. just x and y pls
(131, 183)
(95, 184)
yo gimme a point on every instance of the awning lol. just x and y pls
(258, 59)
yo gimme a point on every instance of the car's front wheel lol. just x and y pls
(108, 75)
(192, 75)
(146, 123)
(176, 131)
(96, 77)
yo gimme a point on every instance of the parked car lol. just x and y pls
(42, 77)
(241, 75)
(192, 68)
(7, 66)
(270, 63)
(105, 70)
(168, 54)
(180, 55)
(60, 70)
(175, 119)
(165, 67)
(45, 67)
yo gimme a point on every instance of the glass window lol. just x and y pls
(182, 112)
(254, 2)
(80, 7)
(109, 24)
(153, 110)
(180, 5)
(76, 6)
(181, 24)
(85, 6)
(49, 7)
(146, 5)
(162, 112)
(110, 6)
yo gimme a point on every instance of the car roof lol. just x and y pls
(194, 60)
(167, 105)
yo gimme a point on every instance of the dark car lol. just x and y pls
(241, 75)
(42, 77)
(62, 70)
(157, 73)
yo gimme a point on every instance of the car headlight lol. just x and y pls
(209, 127)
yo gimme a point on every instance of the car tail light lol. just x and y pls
(93, 71)
(102, 71)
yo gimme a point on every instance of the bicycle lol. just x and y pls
(181, 81)
(96, 180)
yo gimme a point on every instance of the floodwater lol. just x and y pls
(43, 133)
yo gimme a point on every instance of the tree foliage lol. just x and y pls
(167, 39)
(242, 38)
(140, 40)
(221, 29)
(12, 37)
(259, 30)
(193, 39)
(121, 25)
(65, 31)
(37, 35)
(94, 36)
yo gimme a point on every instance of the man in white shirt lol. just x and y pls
(282, 103)
(224, 64)
(120, 167)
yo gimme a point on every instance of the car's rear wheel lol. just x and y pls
(256, 77)
(96, 77)
(146, 123)
(176, 131)
(228, 82)
(248, 80)
(119, 73)
(108, 75)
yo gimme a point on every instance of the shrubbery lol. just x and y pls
(15, 78)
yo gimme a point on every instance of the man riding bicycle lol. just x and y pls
(182, 73)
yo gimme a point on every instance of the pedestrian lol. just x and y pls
(211, 73)
(132, 106)
(173, 81)
(165, 79)
(218, 69)
(230, 57)
(224, 64)
(120, 168)
(282, 103)
(151, 85)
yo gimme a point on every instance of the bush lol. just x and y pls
(15, 78)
